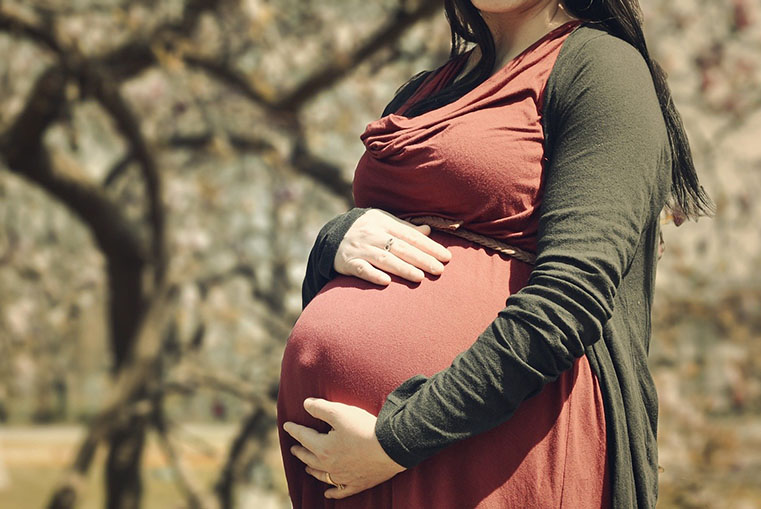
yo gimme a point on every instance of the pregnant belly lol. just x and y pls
(356, 342)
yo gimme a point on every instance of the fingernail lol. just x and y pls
(286, 426)
(437, 267)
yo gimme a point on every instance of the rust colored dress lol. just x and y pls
(479, 159)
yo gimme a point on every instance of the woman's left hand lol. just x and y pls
(350, 452)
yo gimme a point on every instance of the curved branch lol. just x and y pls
(253, 431)
(45, 104)
(324, 172)
(126, 253)
(334, 72)
(100, 85)
(325, 77)
(231, 77)
(302, 159)
(43, 107)
(135, 56)
(14, 25)
(21, 147)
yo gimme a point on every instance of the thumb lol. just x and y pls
(322, 409)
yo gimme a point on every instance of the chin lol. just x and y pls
(505, 6)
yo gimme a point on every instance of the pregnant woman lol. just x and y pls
(504, 350)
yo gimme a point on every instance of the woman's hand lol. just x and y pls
(379, 244)
(350, 453)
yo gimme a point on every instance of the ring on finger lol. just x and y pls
(390, 241)
(333, 483)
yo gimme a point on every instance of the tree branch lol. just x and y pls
(322, 171)
(134, 57)
(21, 147)
(16, 26)
(325, 77)
(181, 476)
(255, 428)
(100, 85)
(120, 405)
(338, 69)
(232, 78)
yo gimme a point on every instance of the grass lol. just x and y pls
(35, 458)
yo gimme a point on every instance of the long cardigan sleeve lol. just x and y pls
(606, 177)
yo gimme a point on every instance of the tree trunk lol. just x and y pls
(124, 486)
(127, 307)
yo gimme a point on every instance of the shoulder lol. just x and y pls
(592, 49)
(598, 73)
(600, 93)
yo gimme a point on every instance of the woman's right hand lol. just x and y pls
(411, 253)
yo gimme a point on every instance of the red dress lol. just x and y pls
(479, 159)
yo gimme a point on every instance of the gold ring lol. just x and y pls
(331, 482)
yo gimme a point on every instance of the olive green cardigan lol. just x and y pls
(591, 290)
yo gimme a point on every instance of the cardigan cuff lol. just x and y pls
(393, 446)
(384, 430)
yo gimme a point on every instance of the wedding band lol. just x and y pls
(330, 481)
(390, 241)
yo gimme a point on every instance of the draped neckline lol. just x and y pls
(454, 66)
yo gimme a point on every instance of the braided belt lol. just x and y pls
(454, 227)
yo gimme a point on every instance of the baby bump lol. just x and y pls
(356, 342)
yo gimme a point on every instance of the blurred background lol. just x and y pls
(164, 169)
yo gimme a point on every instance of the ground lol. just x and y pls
(32, 459)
